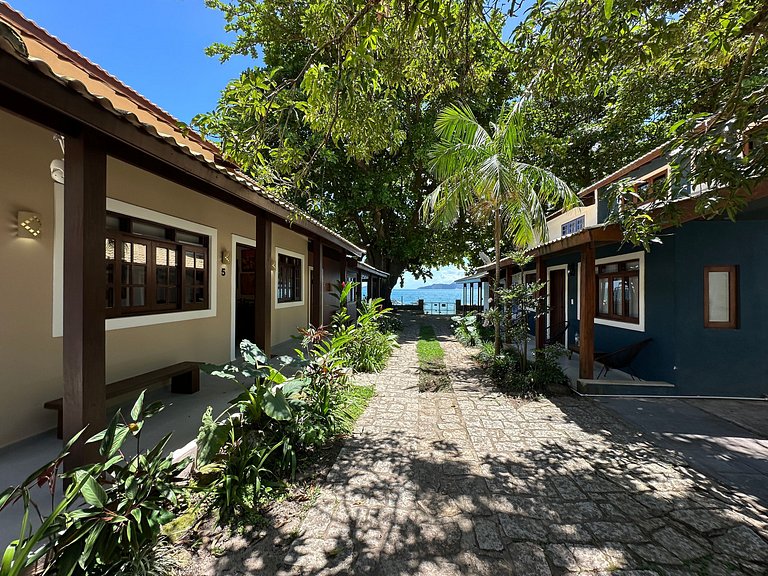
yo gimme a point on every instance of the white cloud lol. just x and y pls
(442, 275)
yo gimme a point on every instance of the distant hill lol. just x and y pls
(440, 286)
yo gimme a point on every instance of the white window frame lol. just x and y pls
(640, 325)
(133, 211)
(302, 258)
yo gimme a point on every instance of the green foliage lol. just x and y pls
(428, 348)
(612, 84)
(512, 374)
(125, 502)
(254, 445)
(546, 370)
(469, 329)
(340, 116)
(481, 176)
(245, 451)
(519, 303)
(363, 344)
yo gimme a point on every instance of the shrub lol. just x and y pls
(116, 527)
(546, 370)
(369, 345)
(254, 439)
(470, 331)
(528, 380)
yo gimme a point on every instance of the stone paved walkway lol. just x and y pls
(474, 482)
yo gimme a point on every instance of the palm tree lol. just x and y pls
(480, 177)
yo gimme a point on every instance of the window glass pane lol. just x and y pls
(110, 297)
(632, 265)
(147, 229)
(172, 276)
(632, 296)
(172, 257)
(162, 275)
(113, 222)
(199, 295)
(199, 277)
(161, 256)
(124, 296)
(602, 301)
(609, 268)
(138, 274)
(127, 251)
(140, 253)
(719, 291)
(137, 296)
(172, 298)
(617, 300)
(110, 249)
(162, 295)
(188, 237)
(199, 262)
(110, 272)
(189, 259)
(189, 292)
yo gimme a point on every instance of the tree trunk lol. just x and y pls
(496, 317)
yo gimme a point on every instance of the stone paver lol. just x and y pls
(471, 481)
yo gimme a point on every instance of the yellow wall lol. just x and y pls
(132, 350)
(30, 357)
(287, 320)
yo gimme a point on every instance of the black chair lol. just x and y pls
(556, 332)
(621, 358)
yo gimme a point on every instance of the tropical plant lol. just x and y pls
(628, 73)
(367, 345)
(252, 439)
(521, 303)
(469, 329)
(482, 179)
(338, 114)
(125, 502)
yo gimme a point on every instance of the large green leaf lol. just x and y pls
(93, 493)
(275, 405)
(138, 406)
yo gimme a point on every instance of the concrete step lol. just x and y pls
(605, 387)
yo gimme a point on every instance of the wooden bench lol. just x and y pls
(184, 377)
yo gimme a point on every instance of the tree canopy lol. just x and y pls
(339, 115)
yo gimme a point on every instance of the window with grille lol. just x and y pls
(152, 268)
(618, 291)
(289, 278)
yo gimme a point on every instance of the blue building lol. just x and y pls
(700, 296)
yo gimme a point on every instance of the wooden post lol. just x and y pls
(587, 320)
(541, 318)
(263, 291)
(464, 295)
(84, 366)
(359, 289)
(317, 293)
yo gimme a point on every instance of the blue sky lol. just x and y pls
(157, 48)
(154, 46)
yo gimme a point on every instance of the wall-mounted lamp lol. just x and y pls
(225, 256)
(30, 225)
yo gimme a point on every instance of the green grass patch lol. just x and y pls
(433, 375)
(359, 397)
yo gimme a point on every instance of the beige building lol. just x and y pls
(128, 245)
